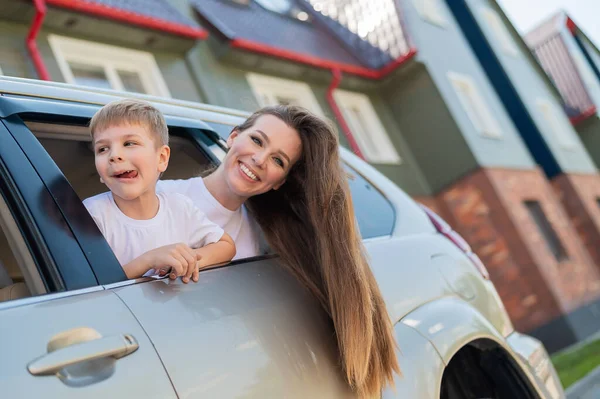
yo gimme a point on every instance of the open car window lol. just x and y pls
(71, 149)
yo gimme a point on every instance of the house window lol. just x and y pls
(501, 33)
(545, 228)
(557, 122)
(285, 7)
(431, 11)
(107, 67)
(474, 105)
(366, 127)
(272, 91)
(279, 6)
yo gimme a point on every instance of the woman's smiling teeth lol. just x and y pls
(248, 172)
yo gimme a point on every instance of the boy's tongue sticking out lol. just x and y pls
(129, 174)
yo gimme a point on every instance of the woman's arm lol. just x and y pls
(219, 252)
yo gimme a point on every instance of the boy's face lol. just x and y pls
(129, 160)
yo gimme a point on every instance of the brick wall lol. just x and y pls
(486, 207)
(580, 196)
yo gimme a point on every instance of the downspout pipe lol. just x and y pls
(337, 78)
(38, 19)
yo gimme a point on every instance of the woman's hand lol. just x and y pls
(179, 258)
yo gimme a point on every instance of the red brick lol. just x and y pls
(487, 209)
(579, 195)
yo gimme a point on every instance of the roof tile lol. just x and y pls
(255, 23)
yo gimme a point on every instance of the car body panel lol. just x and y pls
(28, 325)
(534, 355)
(421, 365)
(451, 323)
(466, 282)
(407, 278)
(247, 330)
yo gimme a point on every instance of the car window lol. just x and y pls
(374, 213)
(19, 277)
(70, 148)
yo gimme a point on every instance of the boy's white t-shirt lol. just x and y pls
(178, 220)
(238, 224)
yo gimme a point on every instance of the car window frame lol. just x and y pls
(30, 203)
(105, 268)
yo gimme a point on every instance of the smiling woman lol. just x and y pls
(283, 171)
(259, 160)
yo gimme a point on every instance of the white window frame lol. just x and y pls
(280, 7)
(110, 59)
(503, 37)
(556, 120)
(475, 107)
(431, 11)
(377, 147)
(266, 89)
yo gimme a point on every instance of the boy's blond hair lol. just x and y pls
(131, 112)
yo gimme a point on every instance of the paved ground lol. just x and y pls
(587, 388)
(592, 393)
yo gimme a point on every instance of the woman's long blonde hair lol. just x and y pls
(310, 223)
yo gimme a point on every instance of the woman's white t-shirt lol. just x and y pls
(238, 224)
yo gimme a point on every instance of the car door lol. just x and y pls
(61, 333)
(246, 330)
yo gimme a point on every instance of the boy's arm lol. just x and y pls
(180, 258)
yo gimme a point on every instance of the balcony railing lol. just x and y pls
(374, 27)
(558, 64)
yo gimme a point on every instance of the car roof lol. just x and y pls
(58, 91)
(96, 96)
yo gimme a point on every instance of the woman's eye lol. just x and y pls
(256, 140)
(278, 161)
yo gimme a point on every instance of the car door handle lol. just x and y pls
(115, 346)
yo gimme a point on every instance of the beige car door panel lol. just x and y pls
(407, 278)
(77, 344)
(421, 365)
(243, 331)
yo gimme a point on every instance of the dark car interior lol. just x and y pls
(70, 148)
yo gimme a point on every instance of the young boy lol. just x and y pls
(149, 232)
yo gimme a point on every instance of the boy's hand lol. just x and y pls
(180, 258)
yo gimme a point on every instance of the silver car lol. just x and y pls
(72, 325)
